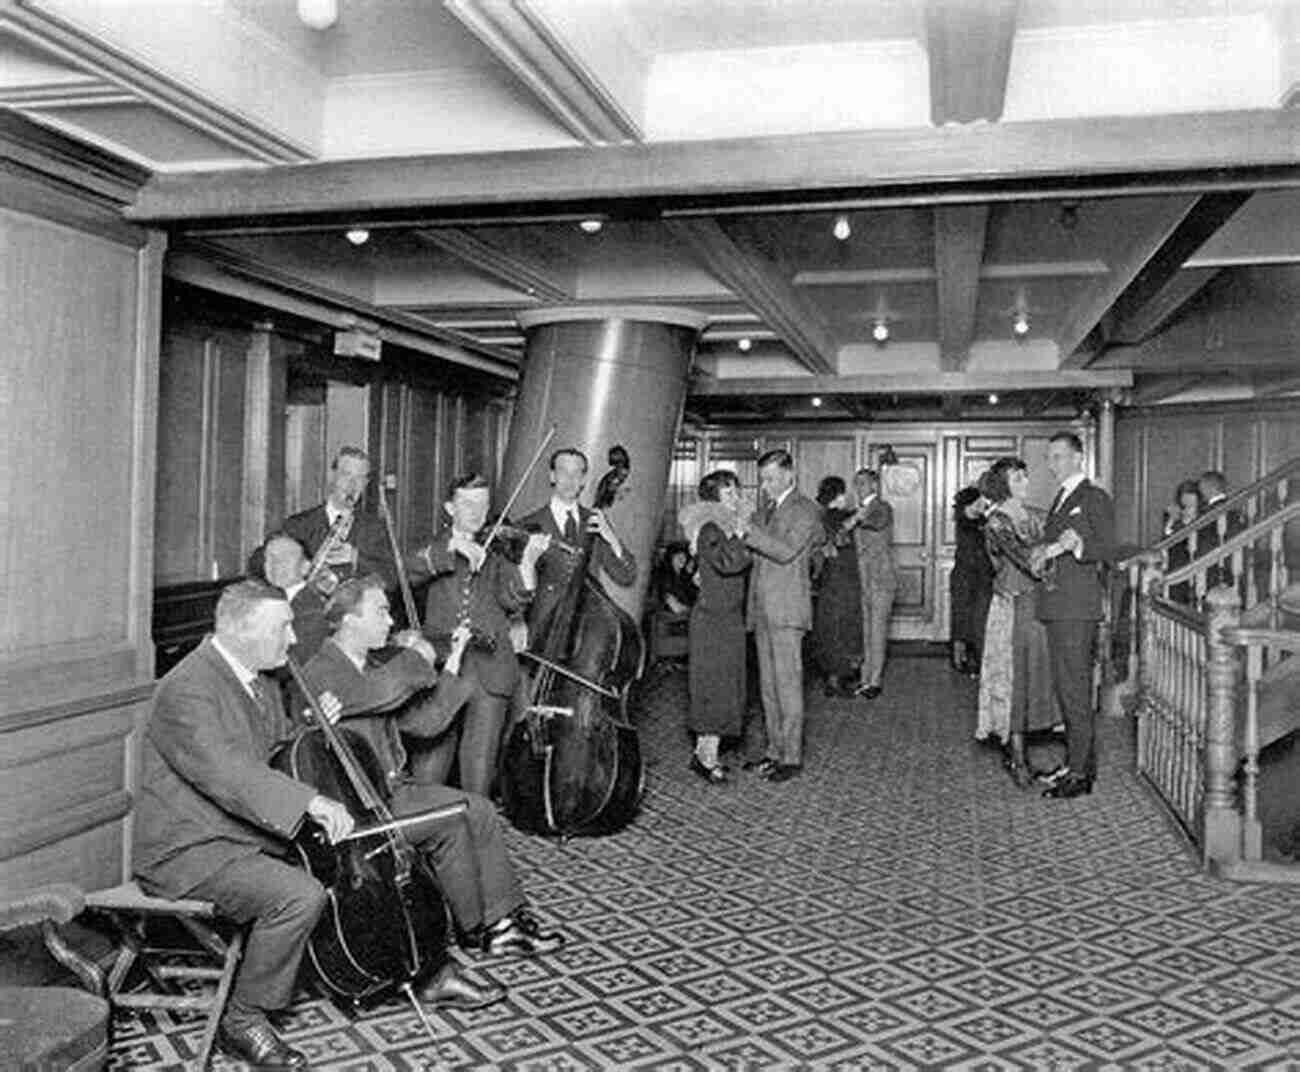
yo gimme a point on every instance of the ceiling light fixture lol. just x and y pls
(318, 14)
(358, 236)
(993, 399)
(842, 230)
(591, 226)
(817, 401)
(744, 345)
(1020, 325)
(880, 331)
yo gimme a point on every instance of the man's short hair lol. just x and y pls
(573, 452)
(349, 452)
(1070, 440)
(238, 602)
(869, 473)
(347, 597)
(257, 560)
(466, 482)
(1214, 479)
(780, 456)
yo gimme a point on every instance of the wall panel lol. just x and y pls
(78, 386)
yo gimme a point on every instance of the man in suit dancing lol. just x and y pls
(1079, 544)
(782, 535)
(363, 545)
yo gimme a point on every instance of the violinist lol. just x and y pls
(406, 694)
(474, 586)
(565, 521)
(359, 545)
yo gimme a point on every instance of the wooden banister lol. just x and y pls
(1245, 538)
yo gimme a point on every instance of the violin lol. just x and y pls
(511, 540)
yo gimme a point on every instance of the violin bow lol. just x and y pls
(403, 581)
(519, 486)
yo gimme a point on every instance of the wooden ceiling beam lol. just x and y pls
(969, 46)
(959, 232)
(1159, 388)
(1244, 356)
(495, 263)
(1141, 324)
(1270, 388)
(1149, 262)
(919, 165)
(530, 47)
(931, 383)
(759, 283)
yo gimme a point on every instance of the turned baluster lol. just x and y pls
(1222, 820)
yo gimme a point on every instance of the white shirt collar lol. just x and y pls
(782, 497)
(1216, 499)
(245, 675)
(291, 593)
(331, 512)
(561, 510)
(1070, 483)
(867, 500)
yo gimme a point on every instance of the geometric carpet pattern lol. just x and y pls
(901, 905)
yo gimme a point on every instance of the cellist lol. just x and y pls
(213, 819)
(406, 695)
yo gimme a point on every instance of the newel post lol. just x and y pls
(1142, 674)
(1222, 826)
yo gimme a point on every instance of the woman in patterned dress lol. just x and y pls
(1016, 694)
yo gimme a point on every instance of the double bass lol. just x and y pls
(571, 764)
(385, 926)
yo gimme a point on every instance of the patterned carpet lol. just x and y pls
(899, 906)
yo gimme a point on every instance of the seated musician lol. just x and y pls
(362, 545)
(406, 695)
(214, 818)
(565, 520)
(468, 586)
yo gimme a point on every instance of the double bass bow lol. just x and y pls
(385, 926)
(572, 763)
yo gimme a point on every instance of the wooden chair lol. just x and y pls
(160, 969)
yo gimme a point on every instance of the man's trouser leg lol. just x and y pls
(480, 740)
(283, 904)
(1070, 644)
(768, 691)
(787, 660)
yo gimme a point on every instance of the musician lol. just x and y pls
(564, 519)
(363, 545)
(468, 586)
(284, 564)
(406, 695)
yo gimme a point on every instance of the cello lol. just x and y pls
(571, 764)
(385, 925)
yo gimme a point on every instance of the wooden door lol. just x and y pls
(908, 485)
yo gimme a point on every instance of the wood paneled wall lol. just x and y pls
(78, 384)
(1157, 447)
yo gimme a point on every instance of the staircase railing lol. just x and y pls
(1255, 556)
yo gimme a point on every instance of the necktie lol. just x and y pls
(570, 528)
(1056, 502)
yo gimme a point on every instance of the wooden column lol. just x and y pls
(1106, 443)
(1222, 824)
(606, 376)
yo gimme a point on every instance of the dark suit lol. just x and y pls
(467, 853)
(779, 613)
(1208, 539)
(555, 568)
(1070, 603)
(490, 670)
(213, 818)
(374, 555)
(873, 540)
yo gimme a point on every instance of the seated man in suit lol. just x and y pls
(362, 547)
(214, 819)
(405, 694)
(566, 521)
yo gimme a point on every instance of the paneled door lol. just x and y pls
(908, 485)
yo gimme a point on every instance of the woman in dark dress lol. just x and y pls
(717, 631)
(836, 639)
(1181, 513)
(971, 586)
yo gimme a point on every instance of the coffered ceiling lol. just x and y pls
(889, 206)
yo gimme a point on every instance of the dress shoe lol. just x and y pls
(783, 772)
(1051, 777)
(251, 1038)
(714, 775)
(762, 767)
(451, 990)
(520, 935)
(1072, 785)
(1020, 774)
(868, 692)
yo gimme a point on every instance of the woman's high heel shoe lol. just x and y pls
(1020, 774)
(714, 775)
